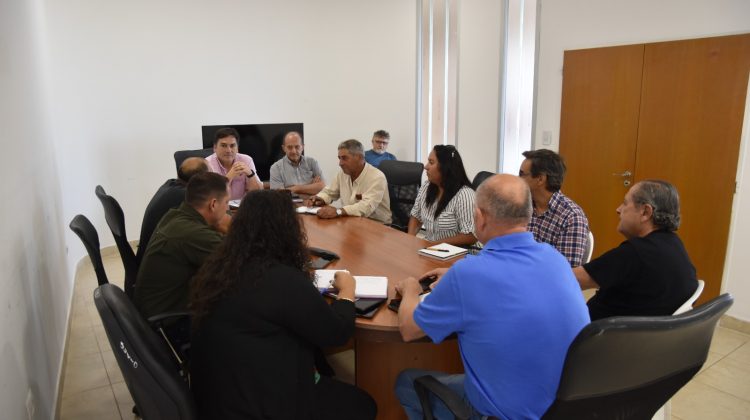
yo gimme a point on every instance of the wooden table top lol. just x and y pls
(369, 248)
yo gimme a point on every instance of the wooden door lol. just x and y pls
(686, 102)
(692, 106)
(598, 132)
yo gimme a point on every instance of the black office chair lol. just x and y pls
(620, 367)
(480, 177)
(82, 227)
(181, 155)
(404, 180)
(116, 221)
(154, 383)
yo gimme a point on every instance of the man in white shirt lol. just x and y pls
(362, 188)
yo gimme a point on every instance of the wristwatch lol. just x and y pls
(339, 212)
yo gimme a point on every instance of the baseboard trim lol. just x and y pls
(733, 323)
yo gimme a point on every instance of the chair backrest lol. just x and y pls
(404, 180)
(480, 177)
(589, 248)
(116, 221)
(628, 367)
(82, 227)
(181, 155)
(153, 380)
(688, 305)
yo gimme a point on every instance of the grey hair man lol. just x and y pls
(486, 300)
(296, 172)
(362, 188)
(378, 153)
(650, 273)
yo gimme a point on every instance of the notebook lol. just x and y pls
(367, 286)
(443, 251)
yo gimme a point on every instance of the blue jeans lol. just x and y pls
(407, 395)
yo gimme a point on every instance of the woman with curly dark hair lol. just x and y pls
(258, 318)
(444, 206)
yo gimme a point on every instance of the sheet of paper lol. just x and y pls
(367, 286)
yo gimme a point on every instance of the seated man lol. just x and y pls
(556, 220)
(298, 173)
(650, 273)
(237, 167)
(168, 196)
(361, 187)
(377, 154)
(515, 308)
(183, 239)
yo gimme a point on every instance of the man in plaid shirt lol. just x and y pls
(556, 220)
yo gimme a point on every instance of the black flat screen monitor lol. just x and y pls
(261, 141)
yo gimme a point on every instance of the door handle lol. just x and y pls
(625, 174)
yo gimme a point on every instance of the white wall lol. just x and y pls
(480, 41)
(576, 24)
(737, 268)
(35, 288)
(133, 81)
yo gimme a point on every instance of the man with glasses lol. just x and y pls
(377, 154)
(556, 219)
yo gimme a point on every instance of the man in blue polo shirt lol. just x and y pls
(515, 308)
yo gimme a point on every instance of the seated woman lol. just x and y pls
(445, 203)
(258, 319)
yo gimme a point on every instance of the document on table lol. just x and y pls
(367, 286)
(308, 210)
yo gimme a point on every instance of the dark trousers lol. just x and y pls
(339, 400)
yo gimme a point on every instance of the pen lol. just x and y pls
(438, 249)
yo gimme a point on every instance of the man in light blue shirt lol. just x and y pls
(297, 173)
(377, 154)
(515, 309)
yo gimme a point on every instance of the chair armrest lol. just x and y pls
(397, 227)
(428, 384)
(158, 320)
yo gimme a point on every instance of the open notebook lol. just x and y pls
(367, 286)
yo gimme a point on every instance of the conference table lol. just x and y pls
(369, 248)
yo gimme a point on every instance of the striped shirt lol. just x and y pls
(457, 217)
(564, 226)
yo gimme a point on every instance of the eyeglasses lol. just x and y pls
(380, 142)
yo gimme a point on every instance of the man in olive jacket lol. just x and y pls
(183, 239)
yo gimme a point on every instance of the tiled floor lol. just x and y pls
(93, 387)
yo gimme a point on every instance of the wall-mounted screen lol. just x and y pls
(261, 141)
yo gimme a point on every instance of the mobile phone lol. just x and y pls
(426, 281)
(394, 304)
(363, 305)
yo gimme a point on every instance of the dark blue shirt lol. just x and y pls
(374, 159)
(515, 307)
